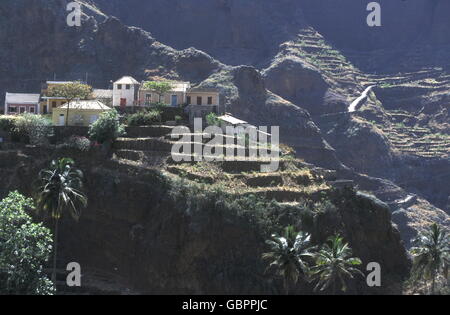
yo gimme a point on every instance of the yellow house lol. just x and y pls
(81, 113)
(47, 104)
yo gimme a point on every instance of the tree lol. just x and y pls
(25, 247)
(60, 190)
(159, 88)
(107, 127)
(212, 119)
(334, 264)
(70, 92)
(288, 255)
(431, 253)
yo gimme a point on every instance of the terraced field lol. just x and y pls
(292, 182)
(408, 89)
(418, 141)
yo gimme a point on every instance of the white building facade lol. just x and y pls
(20, 103)
(125, 92)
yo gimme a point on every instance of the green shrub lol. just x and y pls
(77, 142)
(212, 120)
(160, 105)
(7, 123)
(25, 247)
(178, 119)
(107, 128)
(34, 129)
(168, 113)
(144, 118)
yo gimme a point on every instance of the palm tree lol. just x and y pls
(288, 255)
(60, 189)
(334, 264)
(431, 254)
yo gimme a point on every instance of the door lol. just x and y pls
(123, 102)
(62, 120)
(174, 100)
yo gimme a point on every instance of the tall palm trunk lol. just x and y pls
(286, 286)
(433, 282)
(55, 251)
(334, 287)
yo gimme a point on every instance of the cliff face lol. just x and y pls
(248, 32)
(158, 244)
(235, 32)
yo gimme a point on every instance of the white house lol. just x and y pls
(19, 103)
(125, 92)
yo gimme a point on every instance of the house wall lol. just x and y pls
(27, 108)
(76, 117)
(51, 105)
(166, 99)
(130, 95)
(204, 96)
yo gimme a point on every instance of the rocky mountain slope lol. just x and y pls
(300, 72)
(201, 228)
(249, 32)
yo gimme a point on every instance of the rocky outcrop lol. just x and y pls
(360, 144)
(302, 84)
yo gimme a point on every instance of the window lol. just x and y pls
(12, 109)
(53, 104)
(210, 99)
(127, 86)
(119, 86)
(22, 109)
(199, 100)
(148, 99)
(188, 100)
(32, 109)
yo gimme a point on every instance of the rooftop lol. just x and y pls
(59, 82)
(177, 86)
(22, 98)
(127, 80)
(232, 120)
(86, 105)
(180, 86)
(99, 93)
